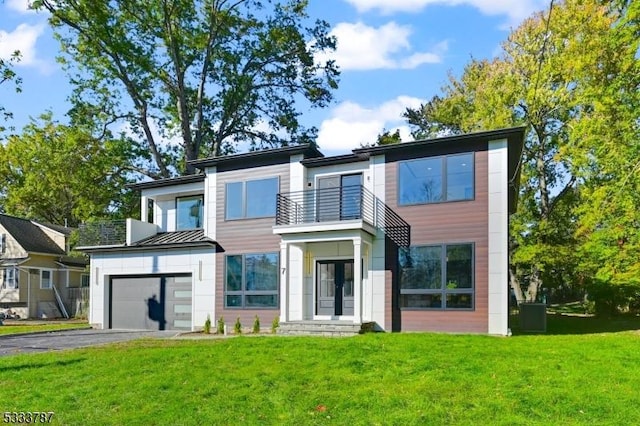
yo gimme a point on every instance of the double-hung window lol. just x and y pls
(10, 276)
(437, 277)
(251, 281)
(251, 199)
(46, 279)
(189, 212)
(436, 179)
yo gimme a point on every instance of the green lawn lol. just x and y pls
(370, 379)
(30, 327)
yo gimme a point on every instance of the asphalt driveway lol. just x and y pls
(70, 339)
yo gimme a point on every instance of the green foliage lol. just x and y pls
(570, 75)
(611, 299)
(388, 138)
(237, 327)
(7, 74)
(256, 325)
(207, 325)
(275, 324)
(211, 73)
(220, 326)
(61, 174)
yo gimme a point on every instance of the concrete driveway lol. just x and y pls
(70, 339)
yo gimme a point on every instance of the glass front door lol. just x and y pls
(339, 198)
(334, 289)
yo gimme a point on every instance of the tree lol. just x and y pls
(544, 79)
(61, 174)
(213, 73)
(7, 74)
(607, 144)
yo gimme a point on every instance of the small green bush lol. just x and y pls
(220, 327)
(275, 324)
(256, 325)
(237, 328)
(207, 325)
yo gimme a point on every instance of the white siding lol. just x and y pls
(498, 309)
(200, 263)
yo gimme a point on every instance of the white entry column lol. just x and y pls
(357, 280)
(284, 282)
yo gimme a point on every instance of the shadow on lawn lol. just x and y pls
(574, 324)
(61, 363)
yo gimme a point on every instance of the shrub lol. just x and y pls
(220, 327)
(256, 325)
(613, 299)
(207, 325)
(275, 324)
(237, 328)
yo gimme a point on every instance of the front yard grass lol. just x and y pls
(15, 327)
(369, 379)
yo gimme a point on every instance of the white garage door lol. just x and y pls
(151, 302)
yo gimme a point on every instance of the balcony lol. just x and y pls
(114, 233)
(102, 233)
(339, 208)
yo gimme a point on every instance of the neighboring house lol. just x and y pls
(37, 277)
(405, 237)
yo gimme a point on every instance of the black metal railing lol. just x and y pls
(102, 233)
(339, 204)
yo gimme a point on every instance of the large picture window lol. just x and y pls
(436, 179)
(251, 281)
(189, 212)
(437, 277)
(251, 199)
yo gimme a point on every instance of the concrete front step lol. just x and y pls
(324, 328)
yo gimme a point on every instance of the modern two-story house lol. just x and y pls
(406, 237)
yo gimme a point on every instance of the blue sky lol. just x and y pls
(393, 54)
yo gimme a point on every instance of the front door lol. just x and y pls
(334, 287)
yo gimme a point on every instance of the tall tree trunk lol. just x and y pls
(514, 283)
(535, 282)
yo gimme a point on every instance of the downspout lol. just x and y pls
(28, 295)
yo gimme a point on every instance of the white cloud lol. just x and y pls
(361, 47)
(20, 6)
(351, 124)
(24, 39)
(515, 10)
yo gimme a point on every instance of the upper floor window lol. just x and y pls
(150, 210)
(46, 278)
(436, 179)
(189, 212)
(251, 199)
(437, 277)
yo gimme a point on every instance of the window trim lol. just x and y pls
(243, 292)
(443, 291)
(42, 271)
(443, 160)
(177, 199)
(244, 198)
(15, 280)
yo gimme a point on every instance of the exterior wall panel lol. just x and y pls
(447, 222)
(245, 236)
